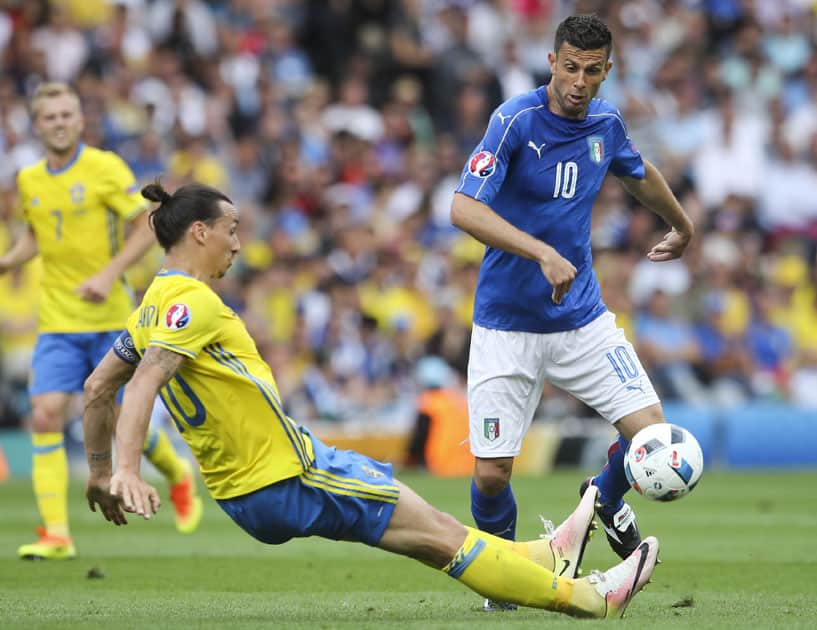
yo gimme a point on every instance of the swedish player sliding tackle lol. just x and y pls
(271, 476)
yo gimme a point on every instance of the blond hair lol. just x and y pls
(51, 89)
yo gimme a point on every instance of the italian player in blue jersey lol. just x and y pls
(270, 475)
(527, 192)
(76, 202)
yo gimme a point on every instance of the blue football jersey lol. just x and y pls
(542, 173)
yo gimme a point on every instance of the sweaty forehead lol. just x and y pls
(582, 57)
(228, 211)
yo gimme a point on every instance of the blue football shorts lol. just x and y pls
(62, 361)
(343, 495)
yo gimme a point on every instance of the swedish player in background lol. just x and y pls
(75, 203)
(527, 192)
(271, 476)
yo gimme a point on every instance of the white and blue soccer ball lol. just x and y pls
(664, 462)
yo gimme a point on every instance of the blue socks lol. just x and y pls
(495, 515)
(611, 481)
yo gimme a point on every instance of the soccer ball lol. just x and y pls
(663, 462)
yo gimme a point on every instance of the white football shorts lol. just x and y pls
(507, 371)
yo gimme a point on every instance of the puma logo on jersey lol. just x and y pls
(537, 149)
(502, 118)
(636, 387)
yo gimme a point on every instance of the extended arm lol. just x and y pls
(654, 193)
(481, 222)
(141, 239)
(157, 367)
(21, 252)
(99, 420)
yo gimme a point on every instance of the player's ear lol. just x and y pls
(552, 62)
(607, 68)
(199, 231)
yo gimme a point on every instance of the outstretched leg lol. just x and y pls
(617, 517)
(497, 572)
(560, 550)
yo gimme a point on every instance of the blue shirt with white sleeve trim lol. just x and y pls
(542, 173)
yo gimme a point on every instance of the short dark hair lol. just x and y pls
(585, 32)
(177, 212)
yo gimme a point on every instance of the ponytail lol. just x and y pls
(155, 192)
(177, 212)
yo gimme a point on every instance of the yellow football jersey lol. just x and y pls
(224, 399)
(77, 214)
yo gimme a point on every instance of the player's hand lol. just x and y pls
(137, 496)
(559, 271)
(98, 492)
(96, 288)
(671, 247)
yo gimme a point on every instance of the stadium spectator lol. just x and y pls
(63, 46)
(804, 380)
(731, 161)
(724, 365)
(146, 156)
(669, 349)
(439, 439)
(770, 347)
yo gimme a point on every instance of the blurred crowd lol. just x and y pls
(339, 127)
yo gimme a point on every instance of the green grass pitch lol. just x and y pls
(740, 552)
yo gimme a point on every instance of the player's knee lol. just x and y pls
(46, 418)
(633, 423)
(654, 415)
(449, 536)
(93, 387)
(448, 523)
(491, 476)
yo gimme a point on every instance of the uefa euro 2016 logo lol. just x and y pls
(177, 316)
(482, 164)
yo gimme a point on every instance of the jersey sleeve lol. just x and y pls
(626, 160)
(485, 170)
(120, 189)
(23, 199)
(187, 321)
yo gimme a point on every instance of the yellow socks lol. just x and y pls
(537, 551)
(505, 571)
(498, 573)
(50, 480)
(160, 453)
